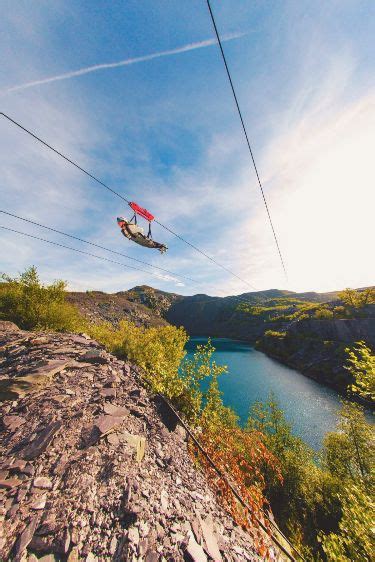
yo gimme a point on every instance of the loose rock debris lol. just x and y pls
(89, 469)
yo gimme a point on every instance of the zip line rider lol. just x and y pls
(135, 233)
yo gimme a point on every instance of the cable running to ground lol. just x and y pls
(246, 136)
(233, 489)
(90, 175)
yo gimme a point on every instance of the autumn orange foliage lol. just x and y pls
(242, 457)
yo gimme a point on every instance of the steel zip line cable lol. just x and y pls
(234, 297)
(97, 245)
(90, 175)
(75, 249)
(246, 136)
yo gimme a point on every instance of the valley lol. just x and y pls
(306, 331)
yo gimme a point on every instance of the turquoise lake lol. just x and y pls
(311, 408)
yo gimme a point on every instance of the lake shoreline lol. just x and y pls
(310, 375)
(310, 407)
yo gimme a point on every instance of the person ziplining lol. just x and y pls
(132, 231)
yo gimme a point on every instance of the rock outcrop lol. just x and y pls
(343, 330)
(97, 306)
(93, 467)
(317, 347)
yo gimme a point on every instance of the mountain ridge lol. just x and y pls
(145, 305)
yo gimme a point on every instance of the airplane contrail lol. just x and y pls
(126, 62)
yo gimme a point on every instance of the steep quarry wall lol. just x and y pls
(344, 330)
(317, 347)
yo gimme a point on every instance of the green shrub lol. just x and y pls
(339, 311)
(361, 364)
(323, 314)
(157, 350)
(31, 305)
(302, 316)
(275, 334)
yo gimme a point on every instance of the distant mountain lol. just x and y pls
(199, 314)
(221, 316)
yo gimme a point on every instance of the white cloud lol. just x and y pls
(319, 183)
(125, 62)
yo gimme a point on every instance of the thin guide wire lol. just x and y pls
(246, 136)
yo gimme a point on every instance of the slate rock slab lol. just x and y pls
(6, 326)
(113, 410)
(51, 368)
(108, 393)
(41, 442)
(13, 422)
(194, 550)
(24, 539)
(94, 356)
(212, 548)
(9, 483)
(105, 424)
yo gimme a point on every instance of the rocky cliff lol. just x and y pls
(316, 347)
(142, 305)
(94, 468)
(202, 315)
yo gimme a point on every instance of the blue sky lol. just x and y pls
(164, 132)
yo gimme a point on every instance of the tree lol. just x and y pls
(357, 299)
(355, 540)
(29, 303)
(293, 497)
(193, 372)
(361, 364)
(214, 414)
(349, 453)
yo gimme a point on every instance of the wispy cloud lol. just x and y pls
(125, 62)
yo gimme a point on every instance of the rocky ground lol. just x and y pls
(93, 467)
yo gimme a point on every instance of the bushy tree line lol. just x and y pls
(351, 298)
(286, 309)
(322, 503)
